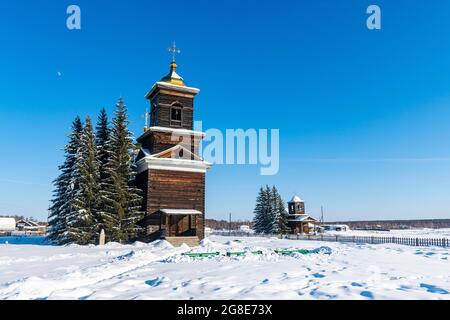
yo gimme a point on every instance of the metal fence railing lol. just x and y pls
(408, 241)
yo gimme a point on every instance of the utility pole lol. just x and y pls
(229, 226)
(321, 218)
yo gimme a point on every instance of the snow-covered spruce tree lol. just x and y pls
(281, 216)
(103, 141)
(102, 136)
(258, 220)
(83, 219)
(264, 214)
(271, 211)
(121, 198)
(63, 193)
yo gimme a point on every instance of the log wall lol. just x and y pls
(173, 190)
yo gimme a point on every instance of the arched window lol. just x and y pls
(154, 115)
(176, 115)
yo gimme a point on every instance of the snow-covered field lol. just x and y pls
(160, 271)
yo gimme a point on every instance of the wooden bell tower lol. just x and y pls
(171, 173)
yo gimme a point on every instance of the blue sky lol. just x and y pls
(363, 115)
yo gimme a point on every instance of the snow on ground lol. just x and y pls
(160, 271)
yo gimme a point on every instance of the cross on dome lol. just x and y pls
(173, 77)
(174, 51)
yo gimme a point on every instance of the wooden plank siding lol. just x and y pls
(173, 190)
(163, 102)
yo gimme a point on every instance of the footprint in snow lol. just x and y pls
(404, 288)
(367, 294)
(316, 293)
(427, 254)
(285, 276)
(433, 289)
(156, 282)
(357, 284)
(318, 275)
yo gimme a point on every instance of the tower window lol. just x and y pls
(154, 116)
(175, 116)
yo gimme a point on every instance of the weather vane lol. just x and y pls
(174, 50)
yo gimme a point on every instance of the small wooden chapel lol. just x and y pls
(298, 220)
(170, 171)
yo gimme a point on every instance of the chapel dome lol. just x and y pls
(173, 77)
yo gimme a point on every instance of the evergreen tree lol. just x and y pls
(258, 220)
(83, 218)
(63, 193)
(264, 213)
(102, 136)
(103, 141)
(270, 212)
(280, 214)
(122, 200)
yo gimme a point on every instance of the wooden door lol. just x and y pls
(173, 226)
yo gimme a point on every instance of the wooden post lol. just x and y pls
(101, 241)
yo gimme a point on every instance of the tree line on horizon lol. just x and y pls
(96, 187)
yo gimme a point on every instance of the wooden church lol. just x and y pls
(298, 220)
(170, 171)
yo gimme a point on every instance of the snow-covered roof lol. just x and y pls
(173, 164)
(180, 132)
(176, 132)
(180, 212)
(146, 152)
(7, 224)
(301, 218)
(27, 223)
(296, 199)
(175, 153)
(166, 85)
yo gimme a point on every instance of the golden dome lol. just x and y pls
(173, 77)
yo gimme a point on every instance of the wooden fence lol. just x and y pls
(417, 242)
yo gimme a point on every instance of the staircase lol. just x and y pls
(190, 241)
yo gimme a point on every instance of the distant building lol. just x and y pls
(245, 228)
(31, 228)
(7, 225)
(336, 227)
(298, 220)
